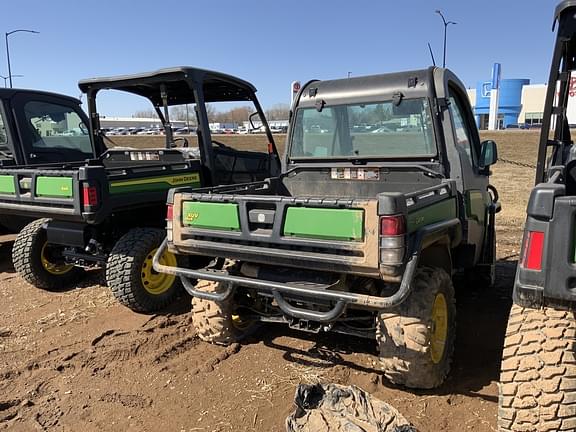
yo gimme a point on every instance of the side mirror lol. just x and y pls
(251, 119)
(488, 154)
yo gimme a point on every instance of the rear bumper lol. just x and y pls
(283, 257)
(341, 299)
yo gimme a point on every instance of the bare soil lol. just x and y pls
(76, 360)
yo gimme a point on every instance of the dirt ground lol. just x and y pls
(76, 360)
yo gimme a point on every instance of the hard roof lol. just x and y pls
(218, 87)
(562, 6)
(371, 88)
(8, 93)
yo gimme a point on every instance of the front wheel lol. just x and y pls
(416, 339)
(130, 275)
(40, 263)
(537, 389)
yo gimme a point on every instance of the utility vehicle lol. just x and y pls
(360, 234)
(538, 377)
(108, 210)
(22, 114)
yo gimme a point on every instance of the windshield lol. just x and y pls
(51, 127)
(381, 129)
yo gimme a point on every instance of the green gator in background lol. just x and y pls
(154, 183)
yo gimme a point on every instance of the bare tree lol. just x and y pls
(182, 113)
(278, 111)
(211, 113)
(145, 114)
(237, 115)
(233, 115)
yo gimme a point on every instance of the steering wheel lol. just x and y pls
(219, 144)
(104, 154)
(185, 141)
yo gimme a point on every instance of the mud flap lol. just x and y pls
(335, 408)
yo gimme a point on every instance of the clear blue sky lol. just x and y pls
(270, 43)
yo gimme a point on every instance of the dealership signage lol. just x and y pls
(494, 87)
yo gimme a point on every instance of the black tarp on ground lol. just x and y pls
(335, 408)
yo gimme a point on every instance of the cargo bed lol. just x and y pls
(89, 192)
(256, 223)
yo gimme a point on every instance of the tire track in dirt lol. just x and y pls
(37, 390)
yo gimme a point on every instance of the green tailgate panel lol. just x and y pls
(433, 213)
(333, 224)
(155, 183)
(7, 185)
(207, 215)
(60, 187)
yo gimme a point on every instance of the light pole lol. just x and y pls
(8, 49)
(446, 24)
(6, 78)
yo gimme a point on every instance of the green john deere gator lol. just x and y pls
(383, 198)
(24, 112)
(107, 210)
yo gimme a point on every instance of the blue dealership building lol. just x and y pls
(509, 102)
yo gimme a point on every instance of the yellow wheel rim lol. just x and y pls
(240, 323)
(50, 267)
(439, 328)
(157, 283)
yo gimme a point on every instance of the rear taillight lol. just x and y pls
(533, 249)
(392, 241)
(169, 217)
(392, 225)
(89, 195)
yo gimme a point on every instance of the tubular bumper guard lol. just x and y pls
(341, 298)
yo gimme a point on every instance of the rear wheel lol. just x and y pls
(416, 339)
(220, 323)
(538, 377)
(130, 275)
(39, 263)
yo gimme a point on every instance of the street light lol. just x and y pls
(7, 77)
(8, 49)
(446, 24)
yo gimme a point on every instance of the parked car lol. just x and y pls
(185, 131)
(382, 129)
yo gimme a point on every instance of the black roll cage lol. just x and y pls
(563, 63)
(178, 86)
